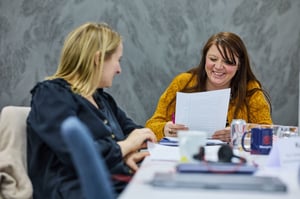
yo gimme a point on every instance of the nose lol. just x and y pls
(119, 70)
(219, 65)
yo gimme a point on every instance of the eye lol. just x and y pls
(229, 63)
(213, 59)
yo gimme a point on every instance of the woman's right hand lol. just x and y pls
(171, 129)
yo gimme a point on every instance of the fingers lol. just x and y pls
(224, 138)
(135, 158)
(145, 134)
(223, 135)
(140, 156)
(170, 133)
(150, 135)
(137, 139)
(171, 129)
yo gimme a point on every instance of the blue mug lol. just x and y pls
(261, 141)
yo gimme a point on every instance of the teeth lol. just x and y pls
(218, 73)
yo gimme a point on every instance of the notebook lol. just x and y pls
(174, 141)
(234, 182)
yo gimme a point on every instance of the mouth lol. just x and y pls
(218, 74)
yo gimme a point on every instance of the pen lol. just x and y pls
(173, 118)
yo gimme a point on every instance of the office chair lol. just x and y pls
(14, 181)
(89, 164)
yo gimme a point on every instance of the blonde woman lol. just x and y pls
(90, 59)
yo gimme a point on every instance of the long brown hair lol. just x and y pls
(229, 45)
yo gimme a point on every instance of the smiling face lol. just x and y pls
(219, 71)
(111, 67)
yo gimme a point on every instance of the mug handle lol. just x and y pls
(243, 138)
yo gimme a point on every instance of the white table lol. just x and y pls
(139, 187)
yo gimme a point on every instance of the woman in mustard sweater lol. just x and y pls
(224, 64)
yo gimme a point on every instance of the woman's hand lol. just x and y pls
(134, 158)
(136, 140)
(223, 135)
(170, 129)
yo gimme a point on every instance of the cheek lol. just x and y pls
(209, 65)
(232, 70)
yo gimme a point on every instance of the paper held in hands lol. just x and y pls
(204, 111)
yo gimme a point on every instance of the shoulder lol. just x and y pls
(51, 98)
(55, 85)
(253, 85)
(255, 92)
(182, 78)
(52, 91)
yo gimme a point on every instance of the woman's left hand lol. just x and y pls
(136, 140)
(223, 135)
(134, 158)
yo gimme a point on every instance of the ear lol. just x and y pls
(97, 58)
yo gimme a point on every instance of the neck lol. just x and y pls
(210, 87)
(91, 100)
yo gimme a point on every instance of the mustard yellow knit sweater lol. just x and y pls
(259, 109)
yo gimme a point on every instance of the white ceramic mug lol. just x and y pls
(190, 143)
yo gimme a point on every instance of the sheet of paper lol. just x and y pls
(285, 153)
(161, 152)
(203, 111)
(172, 153)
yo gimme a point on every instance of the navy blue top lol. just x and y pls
(50, 166)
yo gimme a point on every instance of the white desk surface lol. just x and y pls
(138, 187)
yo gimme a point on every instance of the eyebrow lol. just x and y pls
(212, 55)
(223, 58)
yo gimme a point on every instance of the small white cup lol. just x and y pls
(190, 143)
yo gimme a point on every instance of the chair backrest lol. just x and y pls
(92, 171)
(14, 181)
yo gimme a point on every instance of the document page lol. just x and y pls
(203, 111)
(161, 152)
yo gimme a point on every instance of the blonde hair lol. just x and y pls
(77, 61)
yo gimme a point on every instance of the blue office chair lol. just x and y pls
(89, 164)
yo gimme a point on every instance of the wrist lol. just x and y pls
(125, 147)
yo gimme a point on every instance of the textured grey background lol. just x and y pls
(161, 39)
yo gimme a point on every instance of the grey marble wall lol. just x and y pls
(161, 39)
